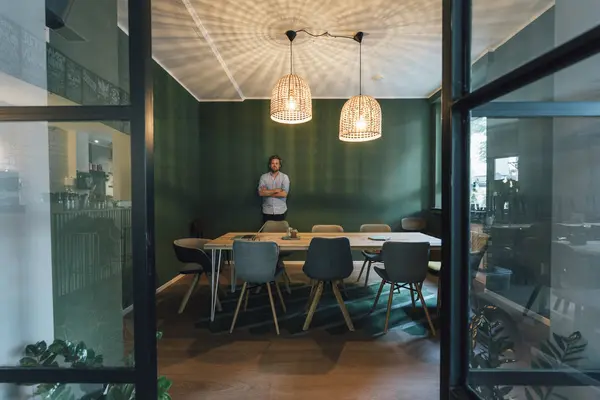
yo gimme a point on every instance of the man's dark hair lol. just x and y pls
(274, 157)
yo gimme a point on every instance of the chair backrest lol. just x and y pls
(413, 224)
(375, 228)
(191, 251)
(255, 262)
(276, 226)
(327, 228)
(329, 259)
(406, 262)
(475, 259)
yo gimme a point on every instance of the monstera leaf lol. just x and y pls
(557, 352)
(490, 348)
(77, 355)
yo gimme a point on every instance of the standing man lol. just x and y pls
(274, 187)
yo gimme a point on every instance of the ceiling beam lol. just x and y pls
(192, 11)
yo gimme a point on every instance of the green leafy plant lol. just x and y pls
(557, 352)
(490, 348)
(77, 355)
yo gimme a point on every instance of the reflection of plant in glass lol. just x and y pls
(79, 356)
(490, 348)
(558, 353)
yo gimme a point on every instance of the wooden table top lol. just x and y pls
(358, 240)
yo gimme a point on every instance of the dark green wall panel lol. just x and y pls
(176, 169)
(332, 182)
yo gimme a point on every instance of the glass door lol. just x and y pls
(522, 287)
(76, 209)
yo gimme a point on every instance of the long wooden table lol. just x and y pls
(358, 241)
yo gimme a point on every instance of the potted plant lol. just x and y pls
(77, 355)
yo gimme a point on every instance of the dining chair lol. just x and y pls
(257, 264)
(413, 224)
(327, 228)
(279, 227)
(405, 266)
(372, 256)
(479, 244)
(328, 260)
(190, 251)
(275, 226)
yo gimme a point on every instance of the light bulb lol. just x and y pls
(361, 123)
(291, 105)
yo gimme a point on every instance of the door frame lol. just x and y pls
(459, 104)
(140, 113)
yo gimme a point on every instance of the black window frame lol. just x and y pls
(459, 103)
(141, 115)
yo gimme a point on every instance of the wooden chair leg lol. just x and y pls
(377, 297)
(313, 306)
(413, 289)
(237, 309)
(338, 296)
(273, 308)
(426, 311)
(188, 294)
(287, 280)
(362, 269)
(389, 308)
(368, 272)
(311, 296)
(280, 296)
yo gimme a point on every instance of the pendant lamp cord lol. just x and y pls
(291, 57)
(359, 79)
(360, 68)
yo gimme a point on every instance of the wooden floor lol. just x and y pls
(314, 366)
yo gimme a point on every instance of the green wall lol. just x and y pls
(176, 169)
(332, 182)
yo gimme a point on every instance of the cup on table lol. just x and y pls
(294, 233)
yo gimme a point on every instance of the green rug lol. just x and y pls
(258, 319)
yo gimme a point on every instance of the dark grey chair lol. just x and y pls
(280, 227)
(329, 260)
(190, 251)
(371, 257)
(257, 264)
(405, 267)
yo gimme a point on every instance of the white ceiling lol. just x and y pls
(231, 50)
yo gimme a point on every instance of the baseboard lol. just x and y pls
(129, 309)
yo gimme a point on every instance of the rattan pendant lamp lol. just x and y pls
(360, 120)
(291, 101)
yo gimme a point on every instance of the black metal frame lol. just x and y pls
(533, 109)
(458, 104)
(141, 115)
(456, 73)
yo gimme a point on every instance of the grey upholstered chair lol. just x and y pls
(190, 252)
(257, 264)
(371, 256)
(405, 267)
(327, 228)
(329, 260)
(276, 227)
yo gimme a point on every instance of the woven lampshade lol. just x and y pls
(291, 102)
(360, 120)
